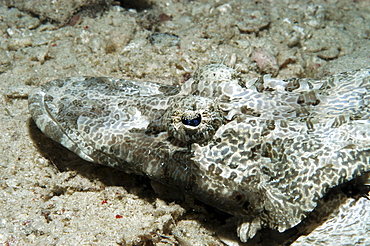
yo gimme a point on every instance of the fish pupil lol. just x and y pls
(195, 121)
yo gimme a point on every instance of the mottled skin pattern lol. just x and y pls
(265, 150)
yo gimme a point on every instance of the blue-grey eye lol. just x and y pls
(192, 121)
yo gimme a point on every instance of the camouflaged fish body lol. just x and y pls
(265, 150)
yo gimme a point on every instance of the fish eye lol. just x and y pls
(192, 121)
